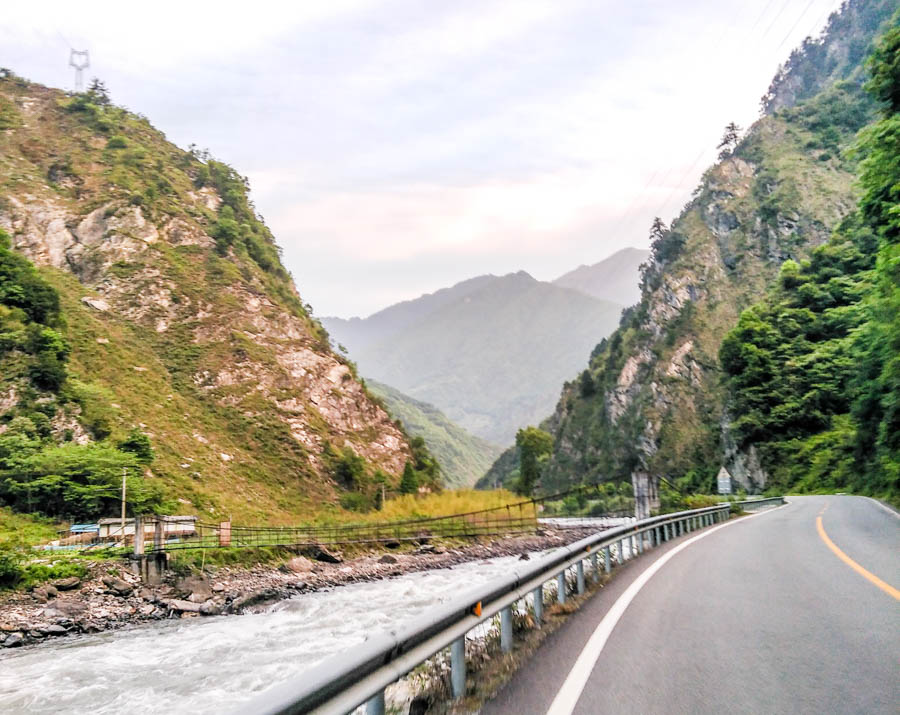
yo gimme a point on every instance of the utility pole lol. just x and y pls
(124, 472)
(80, 61)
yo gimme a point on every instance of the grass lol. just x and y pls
(22, 530)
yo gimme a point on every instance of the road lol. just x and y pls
(759, 615)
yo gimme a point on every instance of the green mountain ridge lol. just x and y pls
(463, 457)
(490, 352)
(146, 322)
(491, 358)
(660, 406)
(616, 278)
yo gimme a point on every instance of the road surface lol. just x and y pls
(792, 610)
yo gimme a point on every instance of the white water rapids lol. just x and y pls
(211, 665)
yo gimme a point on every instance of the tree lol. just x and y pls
(409, 483)
(534, 446)
(98, 92)
(730, 140)
(586, 384)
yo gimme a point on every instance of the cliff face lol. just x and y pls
(181, 320)
(659, 407)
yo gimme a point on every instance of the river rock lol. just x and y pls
(524, 557)
(251, 599)
(299, 564)
(117, 586)
(54, 630)
(14, 640)
(327, 556)
(211, 608)
(388, 559)
(196, 587)
(176, 604)
(65, 608)
(67, 584)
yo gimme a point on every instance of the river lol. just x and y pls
(210, 665)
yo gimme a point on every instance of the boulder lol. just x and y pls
(14, 640)
(327, 556)
(65, 608)
(196, 588)
(54, 630)
(524, 557)
(299, 564)
(388, 559)
(67, 584)
(51, 591)
(211, 608)
(117, 586)
(176, 604)
(251, 599)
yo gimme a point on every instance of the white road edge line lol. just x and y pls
(885, 507)
(567, 698)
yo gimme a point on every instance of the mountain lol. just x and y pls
(813, 370)
(616, 278)
(489, 353)
(658, 404)
(148, 325)
(357, 334)
(463, 457)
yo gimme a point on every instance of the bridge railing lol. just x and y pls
(347, 680)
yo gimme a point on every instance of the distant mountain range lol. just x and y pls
(614, 279)
(462, 456)
(492, 351)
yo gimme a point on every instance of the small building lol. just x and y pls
(173, 526)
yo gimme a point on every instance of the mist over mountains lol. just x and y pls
(491, 352)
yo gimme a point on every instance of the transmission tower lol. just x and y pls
(80, 61)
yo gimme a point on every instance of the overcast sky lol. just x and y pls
(397, 147)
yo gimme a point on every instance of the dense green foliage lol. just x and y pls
(814, 370)
(534, 445)
(36, 473)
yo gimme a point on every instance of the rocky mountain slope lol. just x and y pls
(489, 353)
(463, 457)
(176, 321)
(656, 402)
(616, 278)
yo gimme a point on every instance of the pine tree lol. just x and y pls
(730, 140)
(409, 483)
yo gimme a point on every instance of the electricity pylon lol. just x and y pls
(80, 61)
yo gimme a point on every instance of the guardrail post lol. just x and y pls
(579, 572)
(640, 540)
(538, 594)
(595, 567)
(506, 631)
(607, 559)
(458, 667)
(621, 551)
(561, 587)
(375, 704)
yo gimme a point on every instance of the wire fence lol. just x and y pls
(170, 533)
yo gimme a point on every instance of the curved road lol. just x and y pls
(760, 615)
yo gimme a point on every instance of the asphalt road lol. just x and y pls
(758, 616)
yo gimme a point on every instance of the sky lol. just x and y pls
(397, 147)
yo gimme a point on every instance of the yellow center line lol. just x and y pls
(886, 587)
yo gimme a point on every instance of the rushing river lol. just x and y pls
(210, 665)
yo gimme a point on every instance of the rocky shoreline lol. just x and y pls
(110, 598)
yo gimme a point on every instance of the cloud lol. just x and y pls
(396, 145)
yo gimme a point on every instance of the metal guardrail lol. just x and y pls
(347, 680)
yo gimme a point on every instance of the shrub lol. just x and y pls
(117, 141)
(10, 568)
